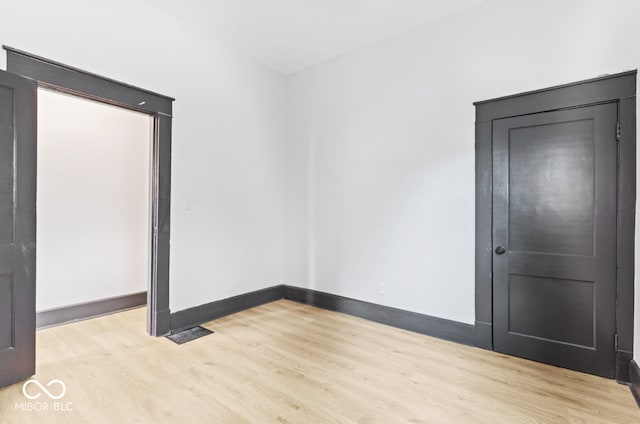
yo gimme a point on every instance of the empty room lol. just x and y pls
(296, 211)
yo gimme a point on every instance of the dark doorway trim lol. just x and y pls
(57, 76)
(620, 88)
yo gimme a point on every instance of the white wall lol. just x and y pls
(93, 201)
(227, 133)
(380, 146)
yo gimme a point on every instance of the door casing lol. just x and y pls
(63, 78)
(619, 88)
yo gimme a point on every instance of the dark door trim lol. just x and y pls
(57, 76)
(620, 88)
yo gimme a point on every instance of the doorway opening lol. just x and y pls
(93, 208)
(63, 79)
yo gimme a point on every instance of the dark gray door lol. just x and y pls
(17, 227)
(554, 237)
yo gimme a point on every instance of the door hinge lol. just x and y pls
(618, 131)
(616, 342)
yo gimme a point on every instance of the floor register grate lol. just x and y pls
(189, 334)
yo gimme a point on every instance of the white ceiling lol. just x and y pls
(291, 35)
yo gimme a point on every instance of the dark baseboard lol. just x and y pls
(424, 324)
(208, 312)
(634, 373)
(82, 311)
(411, 321)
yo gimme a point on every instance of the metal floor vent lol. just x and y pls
(189, 334)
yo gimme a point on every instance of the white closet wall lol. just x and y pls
(92, 201)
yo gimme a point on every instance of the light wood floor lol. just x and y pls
(289, 363)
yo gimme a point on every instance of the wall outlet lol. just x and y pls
(382, 288)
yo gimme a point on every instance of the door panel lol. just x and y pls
(17, 227)
(554, 196)
(544, 215)
(6, 308)
(6, 164)
(528, 296)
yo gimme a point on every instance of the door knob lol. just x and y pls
(500, 250)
